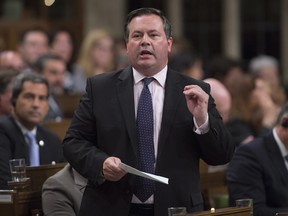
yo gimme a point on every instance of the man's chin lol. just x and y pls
(36, 120)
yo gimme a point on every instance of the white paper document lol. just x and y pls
(134, 171)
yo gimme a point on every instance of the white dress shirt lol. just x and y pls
(157, 90)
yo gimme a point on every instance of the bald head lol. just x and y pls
(221, 96)
(11, 59)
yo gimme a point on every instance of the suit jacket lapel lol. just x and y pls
(20, 145)
(126, 99)
(173, 94)
(276, 157)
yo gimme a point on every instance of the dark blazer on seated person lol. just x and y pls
(257, 170)
(13, 145)
(62, 193)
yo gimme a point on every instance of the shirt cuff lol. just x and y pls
(101, 179)
(202, 129)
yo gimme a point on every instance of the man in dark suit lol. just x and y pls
(186, 127)
(259, 170)
(30, 105)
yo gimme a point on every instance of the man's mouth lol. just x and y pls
(145, 52)
(35, 114)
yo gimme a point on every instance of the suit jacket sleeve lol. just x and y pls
(216, 146)
(56, 200)
(80, 143)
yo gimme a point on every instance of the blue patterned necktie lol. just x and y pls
(33, 149)
(146, 156)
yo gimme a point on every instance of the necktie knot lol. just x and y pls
(31, 137)
(147, 80)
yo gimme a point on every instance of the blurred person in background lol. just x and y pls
(96, 54)
(61, 43)
(225, 69)
(267, 68)
(121, 60)
(11, 59)
(32, 44)
(53, 68)
(6, 81)
(253, 111)
(188, 63)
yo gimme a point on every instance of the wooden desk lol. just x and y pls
(232, 211)
(213, 180)
(22, 203)
(39, 174)
(68, 103)
(213, 184)
(58, 127)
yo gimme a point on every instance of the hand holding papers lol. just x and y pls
(134, 171)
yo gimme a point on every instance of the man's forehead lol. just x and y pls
(140, 24)
(27, 86)
(146, 17)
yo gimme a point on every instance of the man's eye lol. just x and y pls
(43, 98)
(28, 96)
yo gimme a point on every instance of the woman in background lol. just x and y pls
(96, 56)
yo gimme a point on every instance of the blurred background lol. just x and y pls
(239, 29)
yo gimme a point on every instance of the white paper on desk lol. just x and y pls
(134, 171)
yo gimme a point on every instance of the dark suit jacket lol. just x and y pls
(13, 145)
(258, 171)
(62, 193)
(104, 125)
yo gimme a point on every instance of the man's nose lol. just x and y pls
(145, 40)
(36, 102)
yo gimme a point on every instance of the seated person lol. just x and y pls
(53, 68)
(30, 94)
(259, 170)
(62, 193)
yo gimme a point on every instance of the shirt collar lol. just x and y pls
(24, 130)
(160, 76)
(280, 144)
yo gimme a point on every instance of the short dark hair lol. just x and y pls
(24, 77)
(6, 77)
(23, 34)
(219, 66)
(147, 11)
(283, 112)
(39, 65)
(53, 34)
